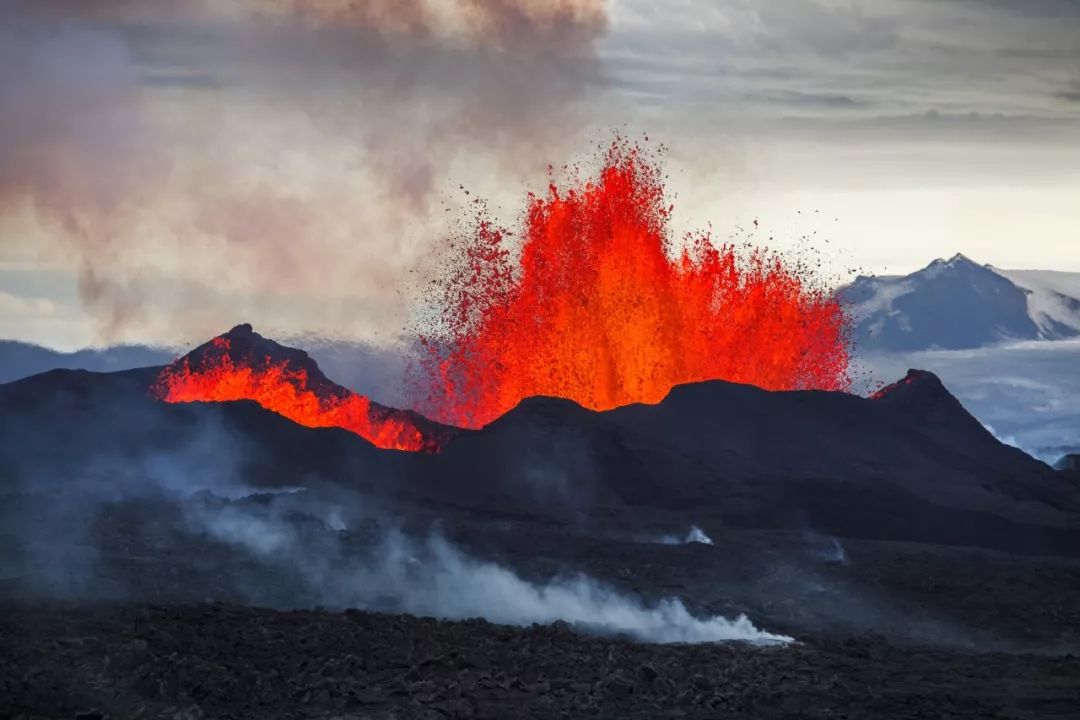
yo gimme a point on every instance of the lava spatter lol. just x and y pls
(596, 305)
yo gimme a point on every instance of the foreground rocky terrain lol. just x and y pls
(305, 549)
(174, 561)
(160, 615)
(233, 662)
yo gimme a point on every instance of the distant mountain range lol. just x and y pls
(19, 359)
(958, 304)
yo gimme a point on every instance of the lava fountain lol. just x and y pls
(597, 305)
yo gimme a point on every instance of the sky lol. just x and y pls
(170, 168)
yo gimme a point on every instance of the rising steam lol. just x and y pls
(694, 535)
(434, 578)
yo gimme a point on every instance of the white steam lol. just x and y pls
(695, 535)
(435, 578)
(836, 552)
(825, 547)
(451, 584)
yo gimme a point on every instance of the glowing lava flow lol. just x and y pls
(212, 374)
(600, 310)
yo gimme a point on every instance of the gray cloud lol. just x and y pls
(892, 58)
(206, 81)
(189, 160)
(817, 100)
(1042, 9)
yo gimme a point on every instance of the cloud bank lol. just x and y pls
(189, 165)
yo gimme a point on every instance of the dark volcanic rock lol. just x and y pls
(910, 464)
(230, 662)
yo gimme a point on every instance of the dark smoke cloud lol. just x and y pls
(273, 147)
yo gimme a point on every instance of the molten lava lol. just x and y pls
(218, 372)
(600, 308)
(595, 304)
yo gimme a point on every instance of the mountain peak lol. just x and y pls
(243, 365)
(920, 392)
(922, 396)
(959, 261)
(915, 383)
(246, 348)
(949, 304)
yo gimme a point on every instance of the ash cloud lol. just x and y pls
(272, 148)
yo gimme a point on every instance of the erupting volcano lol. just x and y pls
(242, 365)
(596, 304)
(600, 307)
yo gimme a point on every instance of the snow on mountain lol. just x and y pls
(950, 304)
(1053, 300)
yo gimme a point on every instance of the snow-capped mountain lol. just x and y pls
(958, 304)
(1053, 300)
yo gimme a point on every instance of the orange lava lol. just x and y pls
(286, 391)
(599, 308)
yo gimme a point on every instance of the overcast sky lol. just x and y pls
(168, 169)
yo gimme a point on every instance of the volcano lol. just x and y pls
(908, 464)
(243, 365)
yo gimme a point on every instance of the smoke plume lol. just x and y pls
(191, 160)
